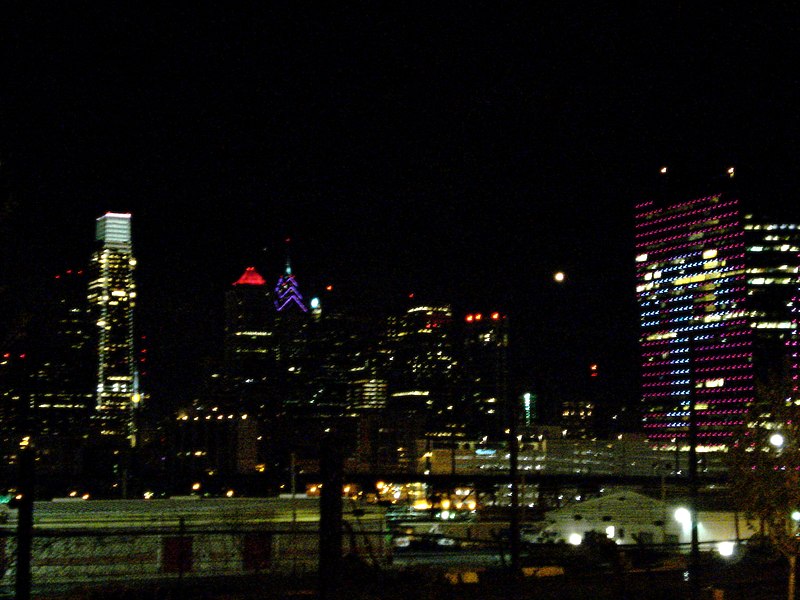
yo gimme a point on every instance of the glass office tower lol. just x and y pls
(112, 297)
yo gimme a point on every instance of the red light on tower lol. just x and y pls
(329, 288)
(495, 316)
(469, 318)
(478, 316)
(593, 370)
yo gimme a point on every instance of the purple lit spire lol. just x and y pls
(287, 290)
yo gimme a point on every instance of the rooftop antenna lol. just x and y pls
(288, 259)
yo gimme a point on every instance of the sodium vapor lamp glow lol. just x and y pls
(682, 515)
(726, 548)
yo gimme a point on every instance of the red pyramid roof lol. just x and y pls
(250, 277)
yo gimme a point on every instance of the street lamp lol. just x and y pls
(777, 440)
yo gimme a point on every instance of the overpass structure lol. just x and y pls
(627, 460)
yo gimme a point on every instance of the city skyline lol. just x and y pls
(463, 158)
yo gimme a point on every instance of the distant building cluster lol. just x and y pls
(71, 374)
(295, 369)
(717, 291)
(74, 381)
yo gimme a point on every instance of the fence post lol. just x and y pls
(22, 584)
(330, 518)
(181, 544)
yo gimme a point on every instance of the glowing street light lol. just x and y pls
(777, 440)
(559, 277)
(726, 549)
(683, 516)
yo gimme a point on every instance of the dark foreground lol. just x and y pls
(357, 582)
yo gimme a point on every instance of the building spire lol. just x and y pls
(287, 292)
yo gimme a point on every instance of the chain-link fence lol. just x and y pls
(80, 547)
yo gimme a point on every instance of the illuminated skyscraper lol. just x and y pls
(772, 251)
(287, 292)
(112, 297)
(249, 325)
(423, 367)
(292, 320)
(485, 374)
(714, 292)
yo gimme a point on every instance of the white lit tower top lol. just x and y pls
(112, 296)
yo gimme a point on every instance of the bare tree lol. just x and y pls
(765, 469)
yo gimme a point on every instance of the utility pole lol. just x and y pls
(513, 461)
(694, 558)
(25, 492)
(330, 519)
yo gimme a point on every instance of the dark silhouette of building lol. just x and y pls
(484, 375)
(250, 370)
(62, 377)
(421, 364)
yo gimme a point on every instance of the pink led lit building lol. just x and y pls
(714, 290)
(691, 291)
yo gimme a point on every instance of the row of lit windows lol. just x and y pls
(684, 214)
(771, 227)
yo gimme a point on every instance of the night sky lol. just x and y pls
(463, 153)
